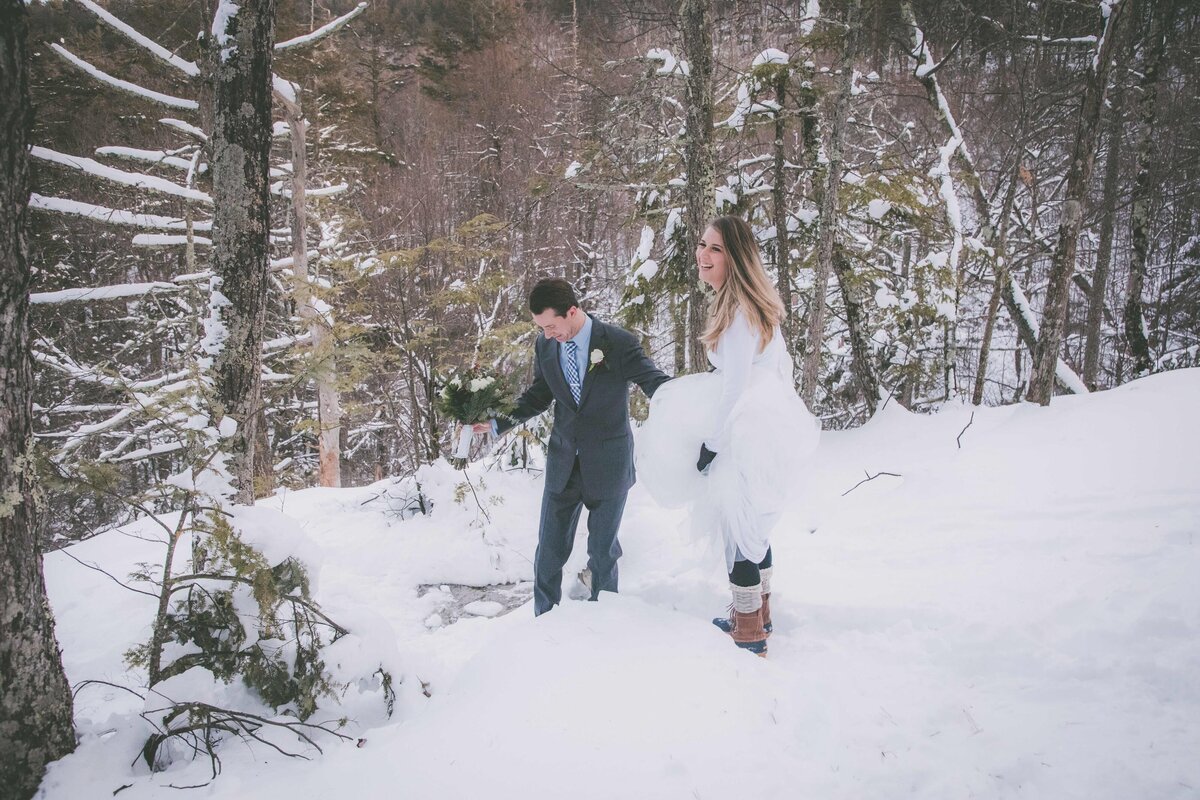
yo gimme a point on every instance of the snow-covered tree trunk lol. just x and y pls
(35, 700)
(700, 191)
(857, 323)
(779, 212)
(1143, 190)
(243, 42)
(1000, 285)
(1083, 156)
(1108, 220)
(828, 220)
(329, 412)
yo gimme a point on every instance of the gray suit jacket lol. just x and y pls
(598, 427)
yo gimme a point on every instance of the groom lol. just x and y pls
(584, 367)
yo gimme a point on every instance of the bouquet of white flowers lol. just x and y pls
(470, 397)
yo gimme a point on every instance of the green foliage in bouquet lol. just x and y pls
(473, 396)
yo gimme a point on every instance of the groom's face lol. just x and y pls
(558, 327)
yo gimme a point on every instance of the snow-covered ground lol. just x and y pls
(1016, 617)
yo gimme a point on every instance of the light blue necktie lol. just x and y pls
(573, 370)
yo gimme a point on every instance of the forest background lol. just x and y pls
(912, 170)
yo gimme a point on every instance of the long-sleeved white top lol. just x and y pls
(736, 357)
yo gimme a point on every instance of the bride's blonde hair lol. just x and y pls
(746, 287)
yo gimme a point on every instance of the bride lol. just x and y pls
(753, 431)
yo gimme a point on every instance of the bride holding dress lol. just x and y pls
(750, 429)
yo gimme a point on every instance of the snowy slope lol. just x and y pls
(1016, 617)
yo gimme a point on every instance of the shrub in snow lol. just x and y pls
(244, 616)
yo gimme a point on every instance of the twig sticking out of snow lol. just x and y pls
(964, 430)
(869, 477)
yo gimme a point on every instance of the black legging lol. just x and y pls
(747, 573)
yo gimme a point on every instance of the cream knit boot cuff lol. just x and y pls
(766, 579)
(747, 599)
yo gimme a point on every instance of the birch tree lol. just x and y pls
(35, 704)
(1046, 355)
(695, 19)
(1161, 17)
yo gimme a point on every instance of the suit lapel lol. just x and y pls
(599, 342)
(552, 371)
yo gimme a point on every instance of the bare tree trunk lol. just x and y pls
(324, 369)
(1108, 220)
(1083, 156)
(861, 359)
(241, 143)
(827, 237)
(35, 700)
(1135, 333)
(779, 212)
(700, 192)
(1000, 271)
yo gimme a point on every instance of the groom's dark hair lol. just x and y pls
(552, 293)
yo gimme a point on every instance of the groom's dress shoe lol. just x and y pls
(582, 590)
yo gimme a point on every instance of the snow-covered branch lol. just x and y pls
(88, 293)
(168, 240)
(125, 86)
(112, 215)
(149, 156)
(186, 127)
(137, 179)
(182, 64)
(323, 31)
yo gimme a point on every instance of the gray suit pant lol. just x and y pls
(556, 537)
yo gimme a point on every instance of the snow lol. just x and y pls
(669, 65)
(186, 127)
(285, 88)
(644, 266)
(1016, 614)
(151, 156)
(111, 215)
(183, 65)
(878, 209)
(140, 180)
(322, 31)
(771, 56)
(226, 11)
(484, 608)
(168, 240)
(812, 12)
(125, 86)
(88, 293)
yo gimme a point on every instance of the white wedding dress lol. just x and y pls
(749, 414)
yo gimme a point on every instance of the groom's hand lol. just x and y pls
(706, 457)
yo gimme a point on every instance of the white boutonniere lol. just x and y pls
(596, 358)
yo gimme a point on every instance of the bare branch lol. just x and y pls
(869, 477)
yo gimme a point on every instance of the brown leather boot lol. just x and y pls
(766, 613)
(748, 632)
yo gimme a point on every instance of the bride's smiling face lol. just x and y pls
(710, 258)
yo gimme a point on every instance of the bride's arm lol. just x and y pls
(738, 346)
